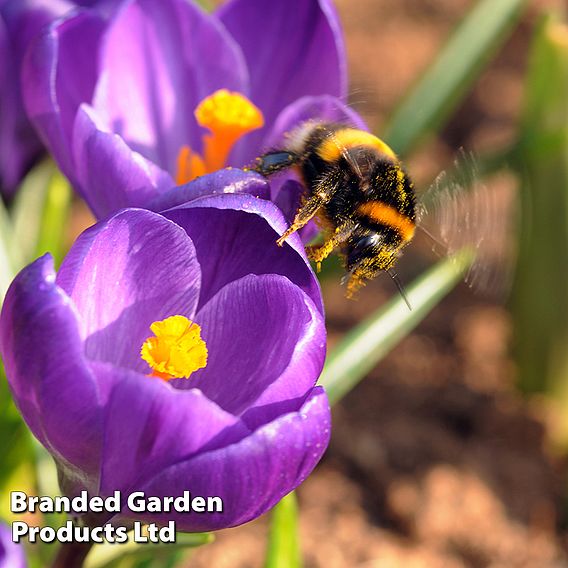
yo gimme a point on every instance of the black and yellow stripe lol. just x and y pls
(390, 217)
(332, 148)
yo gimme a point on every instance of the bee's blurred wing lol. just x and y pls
(459, 211)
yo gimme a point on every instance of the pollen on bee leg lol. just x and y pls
(289, 231)
(176, 350)
(312, 252)
(314, 255)
(318, 253)
(355, 283)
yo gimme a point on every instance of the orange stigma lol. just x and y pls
(228, 116)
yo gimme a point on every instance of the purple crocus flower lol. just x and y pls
(115, 98)
(11, 554)
(249, 426)
(20, 23)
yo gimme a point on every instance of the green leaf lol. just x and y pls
(137, 554)
(9, 258)
(40, 213)
(28, 210)
(449, 78)
(361, 348)
(53, 224)
(15, 439)
(283, 544)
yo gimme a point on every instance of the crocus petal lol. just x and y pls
(26, 18)
(125, 273)
(158, 61)
(59, 73)
(150, 425)
(222, 228)
(109, 174)
(19, 146)
(302, 54)
(252, 475)
(10, 159)
(20, 22)
(11, 554)
(43, 356)
(230, 180)
(266, 322)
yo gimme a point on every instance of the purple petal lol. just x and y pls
(20, 23)
(43, 356)
(230, 180)
(59, 74)
(18, 145)
(11, 554)
(125, 273)
(302, 54)
(235, 235)
(12, 155)
(252, 475)
(150, 425)
(26, 18)
(270, 333)
(109, 174)
(158, 61)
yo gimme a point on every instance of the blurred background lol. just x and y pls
(451, 453)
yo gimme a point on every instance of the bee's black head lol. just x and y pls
(362, 248)
(367, 255)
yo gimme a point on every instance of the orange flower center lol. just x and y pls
(176, 350)
(228, 116)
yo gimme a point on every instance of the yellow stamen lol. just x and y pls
(177, 349)
(228, 116)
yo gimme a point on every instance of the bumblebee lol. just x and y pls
(357, 189)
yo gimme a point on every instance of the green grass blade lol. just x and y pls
(283, 543)
(136, 554)
(540, 298)
(449, 78)
(361, 349)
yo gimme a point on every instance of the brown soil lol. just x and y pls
(435, 459)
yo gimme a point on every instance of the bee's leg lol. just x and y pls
(319, 253)
(305, 214)
(321, 195)
(354, 284)
(273, 162)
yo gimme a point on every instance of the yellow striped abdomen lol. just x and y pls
(384, 214)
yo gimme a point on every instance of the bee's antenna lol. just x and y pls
(399, 286)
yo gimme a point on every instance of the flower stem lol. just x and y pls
(72, 555)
